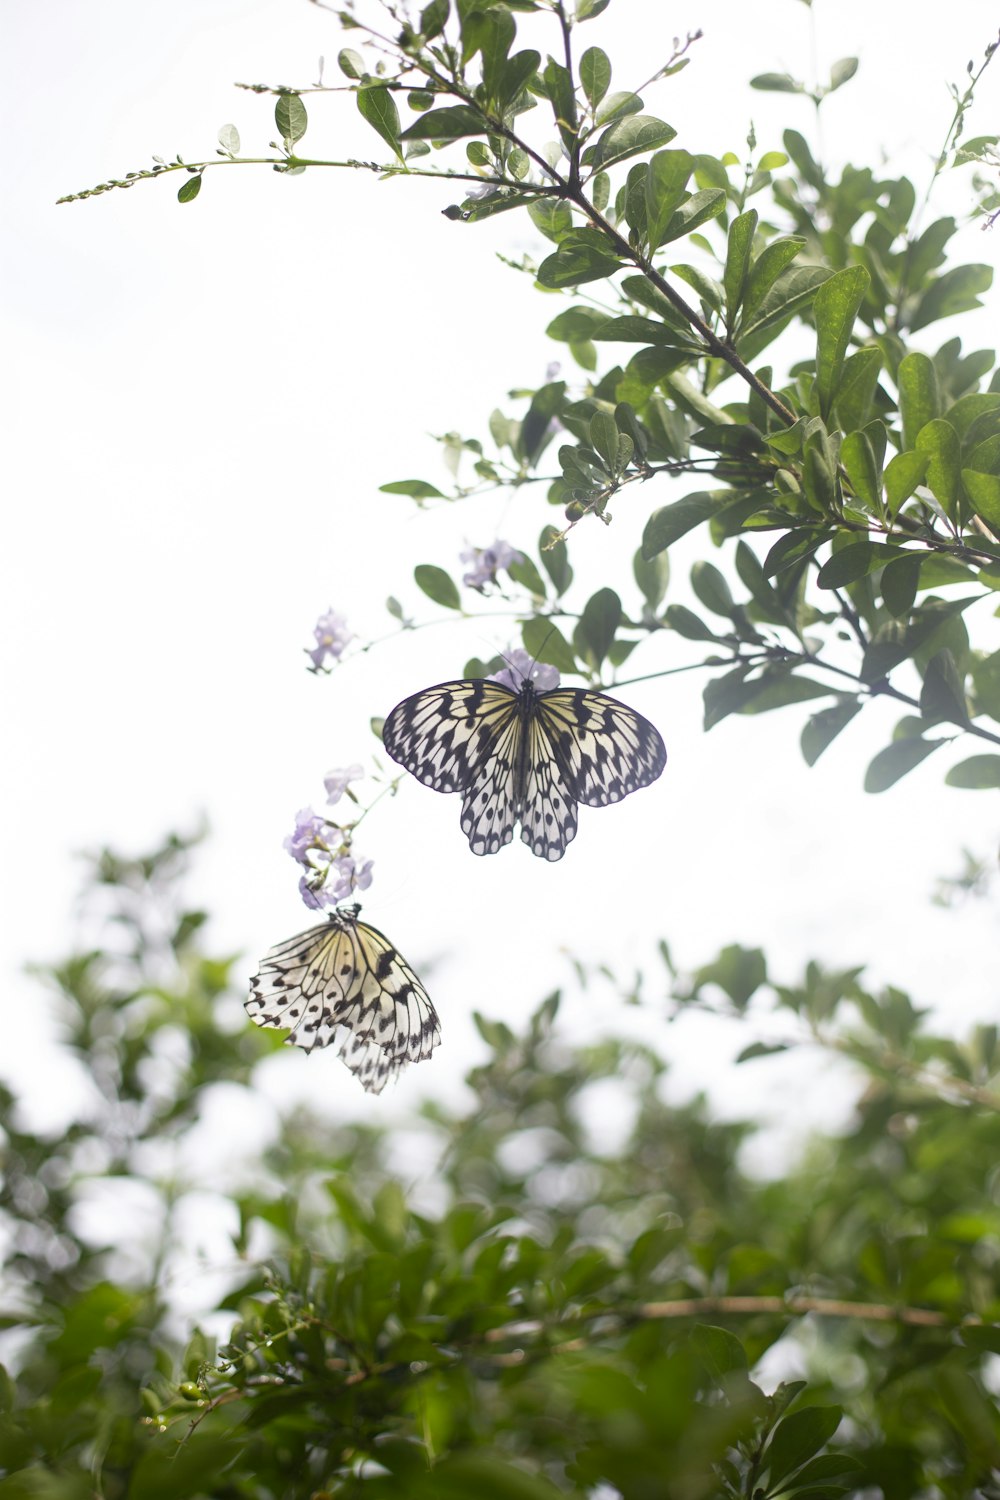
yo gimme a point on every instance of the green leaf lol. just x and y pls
(792, 548)
(229, 139)
(892, 763)
(627, 138)
(687, 624)
(482, 1474)
(739, 973)
(738, 248)
(919, 399)
(291, 118)
(555, 559)
(858, 458)
(449, 124)
(490, 34)
(351, 63)
(711, 589)
(378, 107)
(984, 492)
(190, 189)
(975, 774)
(666, 184)
(856, 391)
(854, 561)
(553, 219)
(939, 441)
(842, 70)
(597, 625)
(777, 83)
(595, 74)
(670, 522)
(544, 641)
(835, 308)
(764, 272)
(604, 438)
(943, 693)
(956, 291)
(899, 584)
(695, 210)
(902, 475)
(558, 85)
(433, 18)
(719, 1350)
(779, 687)
(652, 575)
(418, 489)
(437, 585)
(518, 72)
(822, 729)
(577, 260)
(797, 1437)
(793, 289)
(527, 575)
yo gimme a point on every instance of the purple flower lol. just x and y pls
(309, 838)
(552, 370)
(340, 879)
(486, 563)
(336, 782)
(522, 668)
(332, 635)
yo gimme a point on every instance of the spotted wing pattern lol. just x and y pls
(608, 749)
(491, 805)
(344, 982)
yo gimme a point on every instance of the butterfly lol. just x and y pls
(523, 756)
(344, 981)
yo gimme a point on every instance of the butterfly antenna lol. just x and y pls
(538, 655)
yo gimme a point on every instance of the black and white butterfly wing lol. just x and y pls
(548, 809)
(444, 734)
(608, 750)
(344, 982)
(464, 736)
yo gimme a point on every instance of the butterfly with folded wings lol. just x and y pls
(344, 982)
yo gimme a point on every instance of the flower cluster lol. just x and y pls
(523, 668)
(332, 635)
(324, 850)
(486, 562)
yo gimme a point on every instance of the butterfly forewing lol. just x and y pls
(446, 733)
(344, 981)
(608, 749)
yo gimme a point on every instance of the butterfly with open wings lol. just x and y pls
(523, 755)
(344, 982)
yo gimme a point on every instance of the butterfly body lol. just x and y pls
(523, 756)
(344, 981)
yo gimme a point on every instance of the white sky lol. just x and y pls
(201, 404)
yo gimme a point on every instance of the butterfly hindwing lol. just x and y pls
(344, 981)
(548, 810)
(490, 808)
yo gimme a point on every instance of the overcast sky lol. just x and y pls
(201, 403)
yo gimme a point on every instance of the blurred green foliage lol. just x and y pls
(532, 1311)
